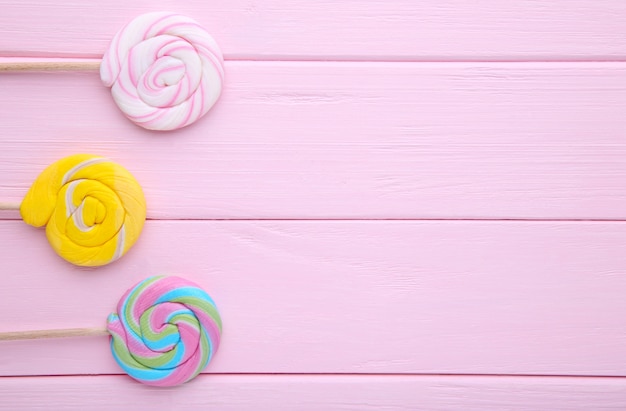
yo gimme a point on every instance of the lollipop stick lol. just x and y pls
(63, 333)
(9, 206)
(50, 65)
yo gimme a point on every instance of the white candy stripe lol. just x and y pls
(69, 194)
(79, 221)
(70, 173)
(121, 241)
(71, 211)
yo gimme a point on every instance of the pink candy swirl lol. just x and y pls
(165, 71)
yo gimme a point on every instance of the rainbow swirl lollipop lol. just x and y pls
(93, 209)
(165, 332)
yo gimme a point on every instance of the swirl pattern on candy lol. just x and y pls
(93, 209)
(165, 71)
(165, 332)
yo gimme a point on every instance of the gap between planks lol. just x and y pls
(353, 375)
(399, 219)
(17, 64)
(374, 220)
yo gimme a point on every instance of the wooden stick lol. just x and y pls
(87, 65)
(41, 334)
(9, 206)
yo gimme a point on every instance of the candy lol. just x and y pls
(165, 332)
(93, 209)
(165, 71)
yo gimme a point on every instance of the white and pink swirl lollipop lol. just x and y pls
(165, 70)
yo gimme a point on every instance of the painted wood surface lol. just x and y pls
(306, 392)
(308, 140)
(342, 30)
(346, 297)
(336, 118)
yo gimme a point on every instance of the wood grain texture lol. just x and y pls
(342, 110)
(349, 140)
(306, 392)
(345, 297)
(344, 30)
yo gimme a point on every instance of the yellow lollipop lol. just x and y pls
(93, 209)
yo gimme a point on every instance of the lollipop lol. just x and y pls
(164, 333)
(93, 209)
(164, 70)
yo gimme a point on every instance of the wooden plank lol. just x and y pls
(346, 296)
(325, 29)
(349, 140)
(306, 392)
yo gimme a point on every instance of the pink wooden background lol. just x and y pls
(396, 205)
